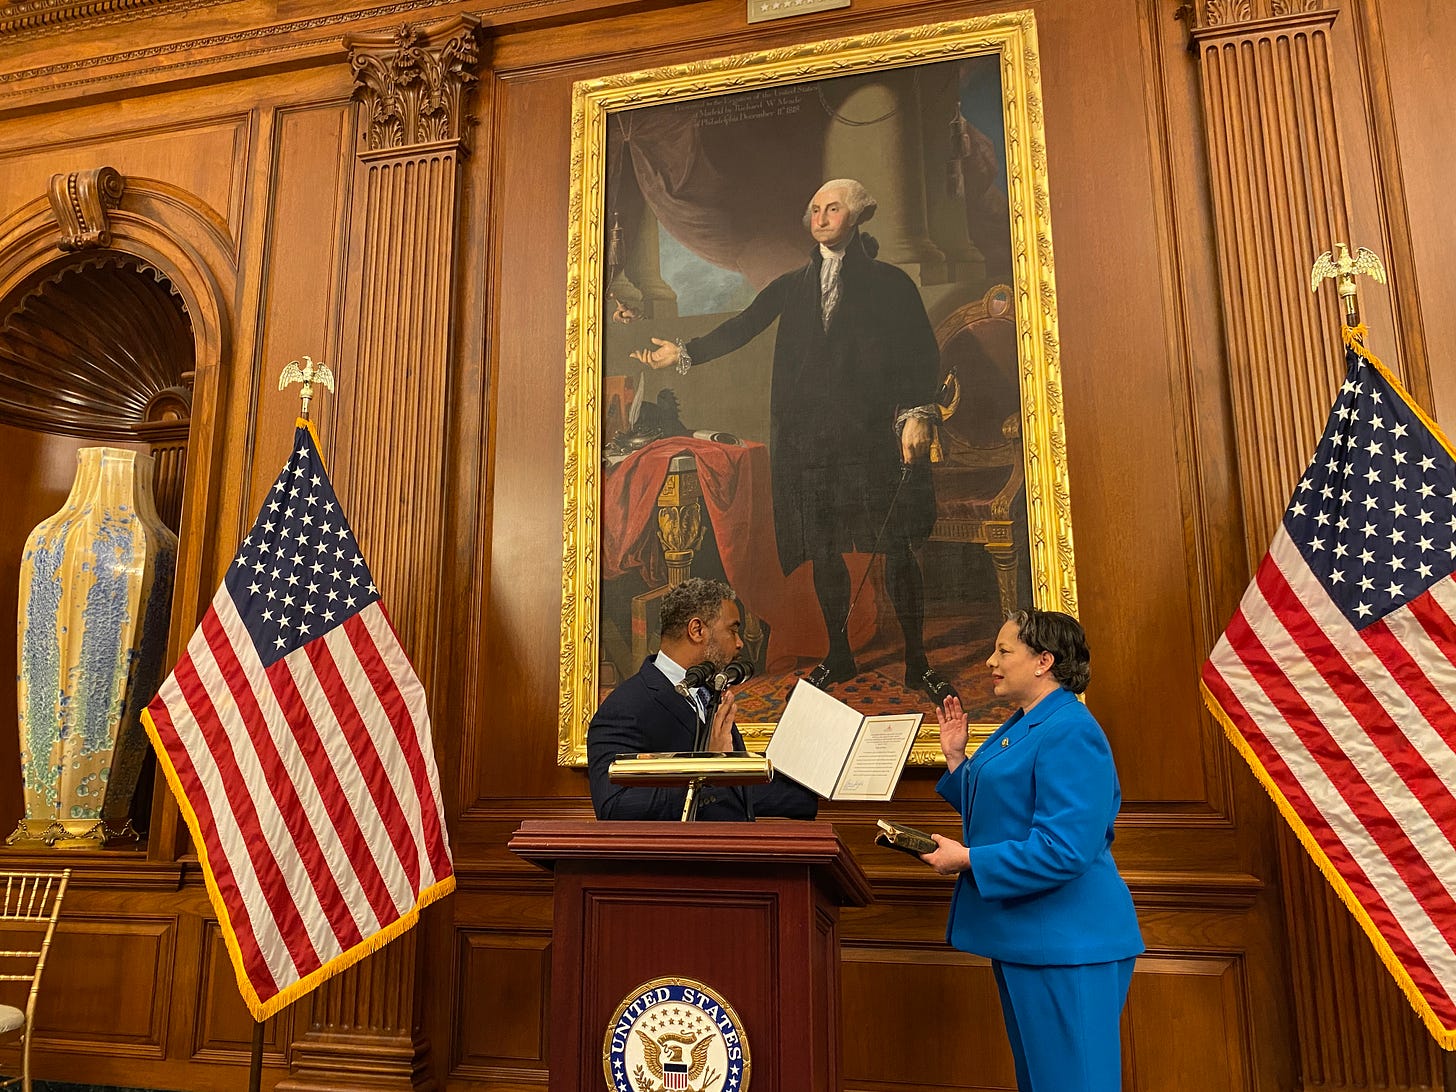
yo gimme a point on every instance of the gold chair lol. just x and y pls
(981, 473)
(30, 903)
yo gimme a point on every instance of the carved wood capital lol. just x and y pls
(1217, 19)
(414, 81)
(1204, 14)
(82, 201)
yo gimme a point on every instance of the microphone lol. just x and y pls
(697, 675)
(733, 673)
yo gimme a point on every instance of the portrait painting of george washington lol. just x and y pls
(820, 372)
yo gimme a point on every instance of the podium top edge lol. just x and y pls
(765, 843)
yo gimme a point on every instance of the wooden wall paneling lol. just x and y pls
(498, 954)
(466, 554)
(1237, 842)
(1151, 445)
(1119, 319)
(517, 663)
(132, 958)
(1396, 316)
(1185, 1023)
(1405, 48)
(899, 1000)
(501, 1027)
(221, 1028)
(1116, 321)
(302, 169)
(1278, 147)
(159, 140)
(1151, 426)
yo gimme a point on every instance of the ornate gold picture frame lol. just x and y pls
(689, 185)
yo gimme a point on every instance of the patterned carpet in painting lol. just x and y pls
(957, 649)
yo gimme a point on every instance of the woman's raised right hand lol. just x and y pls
(954, 731)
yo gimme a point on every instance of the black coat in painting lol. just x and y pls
(833, 448)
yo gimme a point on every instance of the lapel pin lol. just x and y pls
(1005, 742)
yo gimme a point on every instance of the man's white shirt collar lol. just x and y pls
(674, 671)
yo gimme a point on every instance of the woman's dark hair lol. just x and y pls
(1062, 636)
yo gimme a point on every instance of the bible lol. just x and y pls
(827, 746)
(906, 839)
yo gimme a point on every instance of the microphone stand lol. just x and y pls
(700, 743)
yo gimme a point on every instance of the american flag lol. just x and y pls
(1336, 678)
(295, 736)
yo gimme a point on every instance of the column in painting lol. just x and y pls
(1280, 197)
(872, 134)
(952, 161)
(95, 600)
(412, 84)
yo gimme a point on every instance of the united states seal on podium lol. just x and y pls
(675, 1035)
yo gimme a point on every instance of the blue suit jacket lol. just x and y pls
(1037, 802)
(646, 713)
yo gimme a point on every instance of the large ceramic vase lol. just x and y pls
(95, 600)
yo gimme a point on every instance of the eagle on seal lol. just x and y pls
(671, 1064)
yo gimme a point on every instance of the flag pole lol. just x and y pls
(255, 1067)
(307, 374)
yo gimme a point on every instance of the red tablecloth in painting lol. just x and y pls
(739, 503)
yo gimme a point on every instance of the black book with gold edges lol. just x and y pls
(906, 839)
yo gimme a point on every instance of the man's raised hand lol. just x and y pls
(720, 738)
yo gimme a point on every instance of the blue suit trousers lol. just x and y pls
(1064, 1024)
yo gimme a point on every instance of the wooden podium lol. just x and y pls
(748, 910)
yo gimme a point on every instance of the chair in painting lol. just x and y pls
(981, 472)
(30, 903)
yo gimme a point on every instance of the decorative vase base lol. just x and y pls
(71, 834)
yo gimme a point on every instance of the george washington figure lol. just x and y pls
(852, 415)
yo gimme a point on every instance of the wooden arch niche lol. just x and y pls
(111, 330)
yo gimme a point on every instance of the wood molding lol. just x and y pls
(400, 314)
(414, 82)
(1280, 198)
(23, 15)
(82, 202)
(363, 1031)
(1243, 14)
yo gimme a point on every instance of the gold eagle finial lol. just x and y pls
(1343, 270)
(309, 374)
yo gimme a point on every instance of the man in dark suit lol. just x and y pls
(699, 621)
(851, 417)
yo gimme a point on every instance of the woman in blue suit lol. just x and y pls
(1036, 887)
